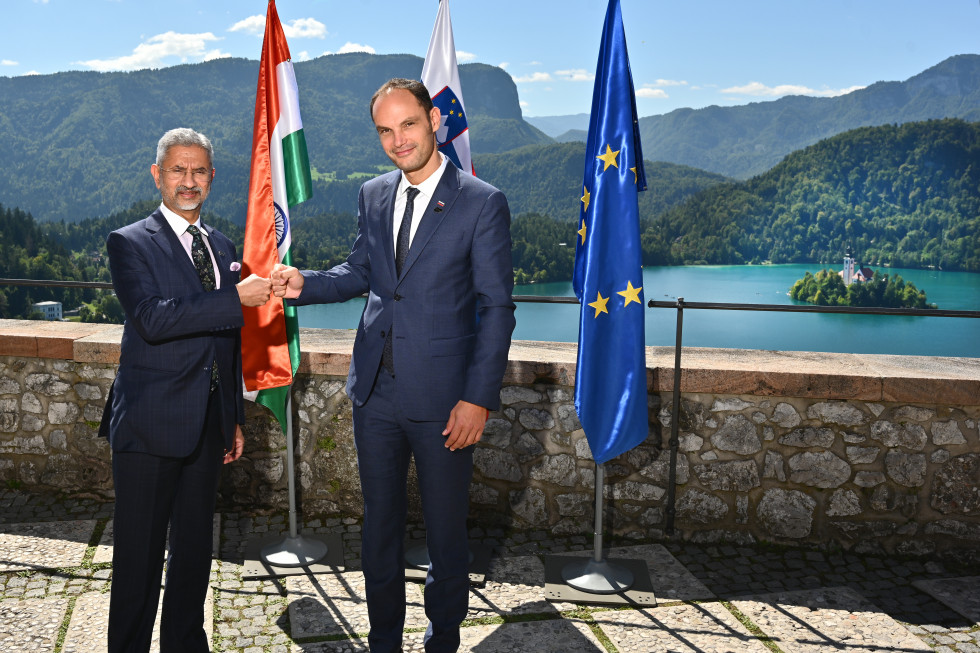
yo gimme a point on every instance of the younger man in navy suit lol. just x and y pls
(433, 253)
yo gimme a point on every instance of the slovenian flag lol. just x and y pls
(279, 179)
(440, 76)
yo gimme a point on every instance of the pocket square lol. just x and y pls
(235, 266)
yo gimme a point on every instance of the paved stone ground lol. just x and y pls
(55, 578)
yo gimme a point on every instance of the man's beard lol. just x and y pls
(188, 205)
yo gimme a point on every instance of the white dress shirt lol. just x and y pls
(179, 225)
(426, 189)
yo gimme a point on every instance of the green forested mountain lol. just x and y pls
(747, 140)
(547, 179)
(80, 144)
(902, 196)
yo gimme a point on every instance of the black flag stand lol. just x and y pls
(293, 550)
(598, 580)
(295, 553)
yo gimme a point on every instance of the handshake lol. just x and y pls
(285, 281)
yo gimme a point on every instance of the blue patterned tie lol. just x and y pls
(202, 261)
(401, 254)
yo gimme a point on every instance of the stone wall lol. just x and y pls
(866, 452)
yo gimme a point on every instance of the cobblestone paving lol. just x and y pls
(44, 545)
(712, 597)
(827, 619)
(684, 628)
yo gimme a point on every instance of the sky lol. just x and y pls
(683, 53)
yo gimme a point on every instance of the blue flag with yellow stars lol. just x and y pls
(610, 378)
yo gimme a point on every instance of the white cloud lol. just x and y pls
(648, 92)
(464, 57)
(533, 77)
(251, 25)
(300, 28)
(40, 2)
(304, 28)
(302, 56)
(576, 75)
(660, 83)
(211, 55)
(153, 52)
(355, 47)
(758, 89)
(8, 62)
(656, 89)
(503, 65)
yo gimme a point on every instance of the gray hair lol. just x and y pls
(182, 136)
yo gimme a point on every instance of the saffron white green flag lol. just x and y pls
(279, 179)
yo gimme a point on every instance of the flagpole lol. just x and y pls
(598, 575)
(293, 550)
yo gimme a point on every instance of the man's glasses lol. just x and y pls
(197, 174)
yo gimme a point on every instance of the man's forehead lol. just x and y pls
(186, 151)
(402, 100)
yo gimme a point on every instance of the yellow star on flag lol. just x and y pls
(600, 305)
(581, 232)
(631, 294)
(635, 175)
(609, 158)
(586, 198)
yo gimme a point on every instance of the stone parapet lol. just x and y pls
(860, 451)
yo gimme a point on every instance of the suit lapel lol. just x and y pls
(168, 242)
(222, 258)
(386, 209)
(439, 208)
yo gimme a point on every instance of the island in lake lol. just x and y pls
(858, 286)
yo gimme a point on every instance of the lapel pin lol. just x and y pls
(439, 206)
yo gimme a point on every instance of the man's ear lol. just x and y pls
(155, 171)
(435, 117)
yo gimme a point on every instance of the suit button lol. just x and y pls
(398, 297)
(382, 334)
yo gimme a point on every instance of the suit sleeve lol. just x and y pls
(345, 281)
(154, 315)
(493, 281)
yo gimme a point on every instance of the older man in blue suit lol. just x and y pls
(433, 254)
(174, 412)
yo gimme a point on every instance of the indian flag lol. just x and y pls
(279, 179)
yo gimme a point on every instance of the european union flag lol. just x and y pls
(610, 379)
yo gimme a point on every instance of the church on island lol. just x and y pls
(853, 271)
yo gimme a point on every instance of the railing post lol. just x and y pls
(675, 414)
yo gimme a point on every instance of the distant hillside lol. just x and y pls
(80, 144)
(747, 140)
(900, 196)
(547, 179)
(555, 126)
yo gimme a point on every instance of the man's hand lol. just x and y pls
(254, 291)
(286, 281)
(465, 425)
(237, 447)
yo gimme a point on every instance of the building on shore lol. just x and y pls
(50, 310)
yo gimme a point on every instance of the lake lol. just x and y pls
(748, 284)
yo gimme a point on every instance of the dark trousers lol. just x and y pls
(384, 441)
(153, 492)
